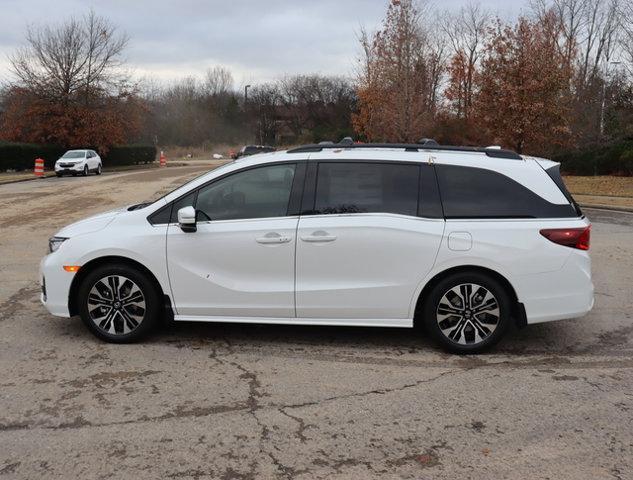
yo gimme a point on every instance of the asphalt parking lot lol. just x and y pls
(249, 402)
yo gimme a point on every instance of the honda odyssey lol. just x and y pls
(463, 241)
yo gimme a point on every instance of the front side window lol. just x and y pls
(366, 187)
(255, 193)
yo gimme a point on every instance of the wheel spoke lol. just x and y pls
(447, 309)
(129, 323)
(96, 299)
(113, 281)
(136, 297)
(489, 305)
(457, 333)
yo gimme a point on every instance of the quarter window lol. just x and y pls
(469, 192)
(256, 193)
(365, 187)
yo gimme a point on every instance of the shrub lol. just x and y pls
(21, 156)
(611, 159)
(129, 155)
(626, 159)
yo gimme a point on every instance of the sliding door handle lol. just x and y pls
(319, 237)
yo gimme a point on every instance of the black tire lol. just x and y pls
(59, 174)
(432, 311)
(86, 171)
(98, 172)
(118, 322)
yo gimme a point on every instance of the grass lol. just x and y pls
(600, 186)
(608, 191)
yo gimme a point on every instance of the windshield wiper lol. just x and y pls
(138, 206)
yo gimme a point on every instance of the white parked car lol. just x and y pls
(77, 162)
(465, 241)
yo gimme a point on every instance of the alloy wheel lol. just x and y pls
(116, 305)
(467, 314)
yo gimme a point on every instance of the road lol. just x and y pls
(251, 402)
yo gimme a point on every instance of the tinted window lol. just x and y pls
(367, 187)
(255, 193)
(469, 192)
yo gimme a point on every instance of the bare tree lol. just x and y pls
(626, 37)
(263, 103)
(80, 55)
(218, 80)
(466, 32)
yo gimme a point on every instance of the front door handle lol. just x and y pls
(272, 238)
(319, 236)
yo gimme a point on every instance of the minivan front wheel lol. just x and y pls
(118, 303)
(467, 312)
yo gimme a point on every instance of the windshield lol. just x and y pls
(74, 154)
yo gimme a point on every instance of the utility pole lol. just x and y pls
(246, 87)
(605, 79)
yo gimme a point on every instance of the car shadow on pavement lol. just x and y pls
(542, 339)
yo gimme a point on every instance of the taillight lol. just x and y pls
(569, 237)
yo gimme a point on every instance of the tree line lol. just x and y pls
(556, 78)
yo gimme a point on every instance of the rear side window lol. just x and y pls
(469, 192)
(359, 187)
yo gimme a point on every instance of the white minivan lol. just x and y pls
(463, 241)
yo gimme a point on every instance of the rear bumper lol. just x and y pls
(565, 293)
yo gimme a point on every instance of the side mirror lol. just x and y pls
(187, 219)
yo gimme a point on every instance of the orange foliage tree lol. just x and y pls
(399, 78)
(106, 121)
(69, 89)
(523, 96)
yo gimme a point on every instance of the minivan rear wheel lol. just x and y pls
(467, 312)
(118, 303)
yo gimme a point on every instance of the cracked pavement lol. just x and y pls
(202, 401)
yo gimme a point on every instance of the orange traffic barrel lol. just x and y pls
(39, 167)
(163, 159)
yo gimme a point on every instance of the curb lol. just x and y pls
(28, 179)
(612, 208)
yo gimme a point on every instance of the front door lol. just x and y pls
(240, 261)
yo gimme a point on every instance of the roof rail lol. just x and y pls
(423, 144)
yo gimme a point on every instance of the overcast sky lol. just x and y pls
(258, 41)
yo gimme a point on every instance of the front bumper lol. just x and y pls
(55, 283)
(70, 169)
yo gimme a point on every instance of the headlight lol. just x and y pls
(55, 242)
